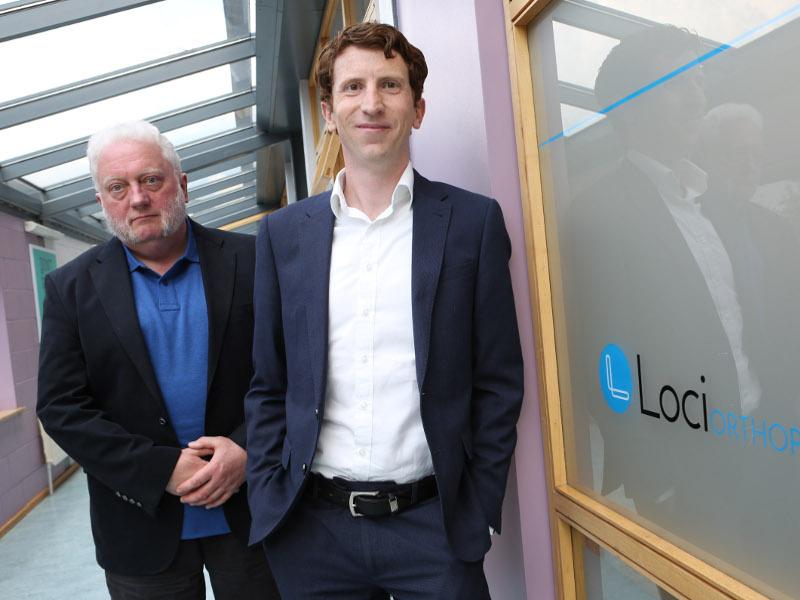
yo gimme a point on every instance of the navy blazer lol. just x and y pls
(100, 401)
(468, 358)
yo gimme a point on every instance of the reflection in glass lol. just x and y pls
(606, 577)
(677, 220)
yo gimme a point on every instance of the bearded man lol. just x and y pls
(144, 363)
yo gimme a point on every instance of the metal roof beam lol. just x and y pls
(196, 207)
(222, 184)
(29, 18)
(224, 211)
(198, 157)
(195, 156)
(577, 95)
(69, 223)
(198, 193)
(51, 157)
(245, 162)
(269, 22)
(119, 82)
(20, 200)
(233, 216)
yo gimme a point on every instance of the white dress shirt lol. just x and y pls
(680, 189)
(372, 426)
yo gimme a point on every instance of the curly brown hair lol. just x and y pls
(374, 36)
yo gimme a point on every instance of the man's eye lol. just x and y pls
(391, 85)
(352, 87)
(115, 188)
(151, 180)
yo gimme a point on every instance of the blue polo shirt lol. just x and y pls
(174, 321)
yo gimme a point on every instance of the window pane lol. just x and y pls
(85, 120)
(671, 181)
(606, 577)
(57, 174)
(83, 50)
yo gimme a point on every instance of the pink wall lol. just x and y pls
(22, 470)
(467, 138)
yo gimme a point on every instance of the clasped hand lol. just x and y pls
(208, 483)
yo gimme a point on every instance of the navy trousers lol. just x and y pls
(236, 572)
(323, 552)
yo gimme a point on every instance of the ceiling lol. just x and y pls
(218, 77)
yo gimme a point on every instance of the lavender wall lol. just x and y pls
(467, 139)
(22, 470)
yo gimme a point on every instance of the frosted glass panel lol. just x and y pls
(671, 183)
(605, 577)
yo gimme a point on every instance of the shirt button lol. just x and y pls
(363, 358)
(369, 267)
(361, 452)
(162, 421)
(363, 406)
(365, 312)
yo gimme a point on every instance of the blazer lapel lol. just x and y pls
(315, 239)
(219, 276)
(110, 275)
(431, 217)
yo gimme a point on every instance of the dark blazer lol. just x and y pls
(100, 401)
(468, 358)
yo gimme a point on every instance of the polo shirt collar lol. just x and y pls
(190, 254)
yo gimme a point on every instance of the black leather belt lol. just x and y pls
(378, 502)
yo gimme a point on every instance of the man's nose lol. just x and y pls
(372, 101)
(139, 196)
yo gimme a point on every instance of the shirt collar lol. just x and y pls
(686, 181)
(190, 254)
(403, 195)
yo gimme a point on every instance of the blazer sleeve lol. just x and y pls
(497, 377)
(265, 403)
(130, 464)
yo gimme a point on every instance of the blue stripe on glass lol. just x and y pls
(739, 39)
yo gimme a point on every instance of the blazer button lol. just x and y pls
(316, 412)
(162, 421)
(304, 468)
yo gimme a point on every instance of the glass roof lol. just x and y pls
(109, 43)
(141, 104)
(196, 80)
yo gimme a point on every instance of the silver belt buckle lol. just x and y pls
(352, 501)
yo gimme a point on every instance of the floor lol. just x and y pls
(49, 555)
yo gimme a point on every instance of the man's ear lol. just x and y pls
(184, 181)
(97, 197)
(420, 113)
(327, 113)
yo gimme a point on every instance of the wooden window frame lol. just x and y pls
(327, 146)
(672, 568)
